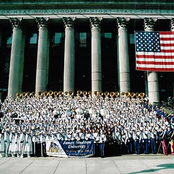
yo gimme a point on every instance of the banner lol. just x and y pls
(81, 148)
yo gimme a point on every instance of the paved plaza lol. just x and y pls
(127, 164)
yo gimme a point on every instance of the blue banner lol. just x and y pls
(78, 148)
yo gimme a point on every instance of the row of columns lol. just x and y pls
(17, 57)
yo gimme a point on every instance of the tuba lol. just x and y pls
(89, 93)
(122, 94)
(79, 93)
(60, 93)
(132, 94)
(27, 94)
(38, 94)
(70, 93)
(112, 94)
(117, 93)
(85, 93)
(137, 95)
(100, 93)
(95, 93)
(17, 95)
(127, 94)
(56, 93)
(142, 94)
(50, 93)
(32, 94)
(45, 93)
(23, 94)
(106, 93)
(66, 93)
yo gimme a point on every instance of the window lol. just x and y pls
(83, 39)
(131, 38)
(33, 39)
(57, 38)
(9, 40)
(108, 35)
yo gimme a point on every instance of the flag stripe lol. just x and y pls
(154, 63)
(166, 45)
(157, 60)
(167, 51)
(155, 69)
(155, 56)
(167, 48)
(167, 41)
(155, 66)
(166, 33)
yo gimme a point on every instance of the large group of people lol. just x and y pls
(118, 125)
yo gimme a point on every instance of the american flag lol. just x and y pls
(155, 51)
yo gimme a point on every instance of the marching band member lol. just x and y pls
(102, 140)
(14, 146)
(145, 140)
(6, 142)
(130, 141)
(2, 144)
(168, 137)
(42, 139)
(136, 138)
(28, 148)
(35, 140)
(153, 134)
(21, 143)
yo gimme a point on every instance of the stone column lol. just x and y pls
(123, 56)
(96, 66)
(172, 73)
(48, 55)
(152, 77)
(69, 55)
(22, 63)
(14, 84)
(42, 56)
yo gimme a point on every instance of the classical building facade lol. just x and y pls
(87, 45)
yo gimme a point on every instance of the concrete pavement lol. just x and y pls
(126, 164)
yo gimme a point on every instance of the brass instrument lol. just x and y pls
(112, 94)
(23, 94)
(100, 93)
(137, 95)
(122, 94)
(89, 93)
(79, 93)
(127, 94)
(27, 94)
(32, 94)
(85, 93)
(38, 94)
(95, 93)
(132, 94)
(50, 93)
(142, 94)
(60, 93)
(17, 94)
(70, 93)
(117, 93)
(66, 93)
(43, 94)
(56, 93)
(106, 93)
